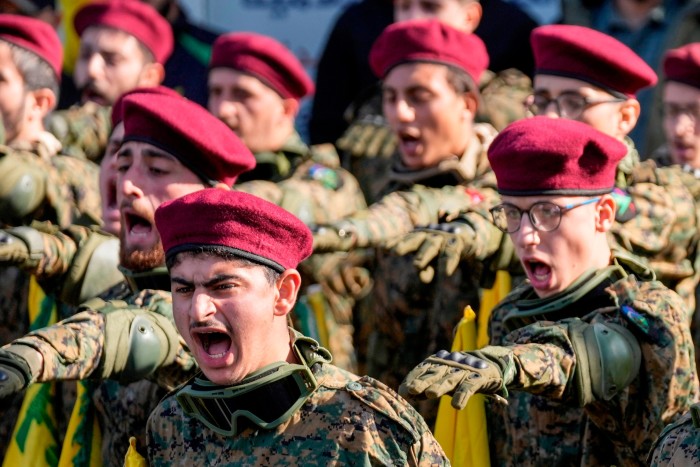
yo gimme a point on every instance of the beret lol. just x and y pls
(683, 64)
(428, 41)
(118, 114)
(264, 58)
(247, 225)
(591, 56)
(133, 17)
(547, 156)
(187, 131)
(35, 36)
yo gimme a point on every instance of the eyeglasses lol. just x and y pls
(568, 104)
(266, 398)
(673, 111)
(544, 216)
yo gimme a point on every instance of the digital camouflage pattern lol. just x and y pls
(368, 146)
(83, 130)
(679, 443)
(348, 421)
(94, 344)
(316, 190)
(664, 229)
(543, 426)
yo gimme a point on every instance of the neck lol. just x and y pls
(635, 12)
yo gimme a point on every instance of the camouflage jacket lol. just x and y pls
(420, 198)
(662, 224)
(542, 423)
(679, 443)
(64, 190)
(83, 130)
(348, 420)
(98, 343)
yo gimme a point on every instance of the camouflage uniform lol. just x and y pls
(409, 319)
(368, 145)
(83, 130)
(679, 443)
(348, 420)
(547, 425)
(92, 343)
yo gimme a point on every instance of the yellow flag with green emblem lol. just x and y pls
(35, 437)
(463, 433)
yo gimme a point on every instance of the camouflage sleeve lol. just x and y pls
(399, 213)
(73, 192)
(82, 130)
(113, 340)
(679, 443)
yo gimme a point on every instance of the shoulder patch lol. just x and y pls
(626, 210)
(328, 177)
(636, 318)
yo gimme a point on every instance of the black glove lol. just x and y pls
(15, 373)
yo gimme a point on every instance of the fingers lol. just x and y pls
(428, 251)
(408, 243)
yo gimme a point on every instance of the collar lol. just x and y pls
(154, 279)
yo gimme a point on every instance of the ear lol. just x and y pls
(472, 15)
(288, 285)
(44, 101)
(606, 209)
(290, 107)
(629, 114)
(152, 75)
(471, 103)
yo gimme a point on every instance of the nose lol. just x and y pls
(404, 112)
(128, 184)
(202, 307)
(683, 124)
(527, 235)
(226, 110)
(552, 110)
(95, 66)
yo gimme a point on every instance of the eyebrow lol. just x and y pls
(147, 152)
(213, 281)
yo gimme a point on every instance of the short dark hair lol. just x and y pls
(36, 72)
(225, 254)
(461, 81)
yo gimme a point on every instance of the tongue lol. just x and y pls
(140, 228)
(540, 269)
(218, 344)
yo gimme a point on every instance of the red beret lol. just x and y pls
(683, 64)
(117, 110)
(591, 56)
(547, 156)
(202, 142)
(133, 17)
(35, 36)
(250, 226)
(264, 58)
(428, 41)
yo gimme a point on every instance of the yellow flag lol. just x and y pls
(71, 42)
(82, 444)
(463, 433)
(133, 458)
(35, 437)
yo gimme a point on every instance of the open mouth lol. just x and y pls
(538, 270)
(215, 344)
(137, 225)
(91, 95)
